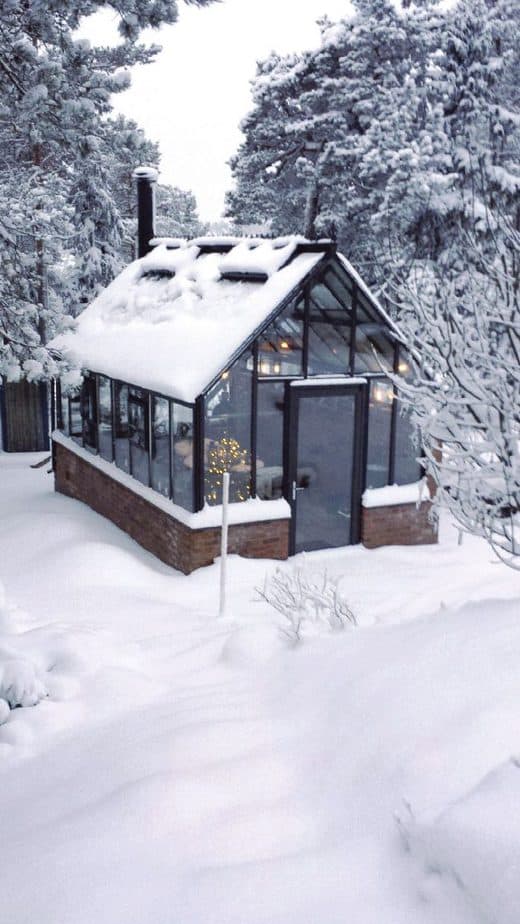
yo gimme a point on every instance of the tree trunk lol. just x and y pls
(41, 272)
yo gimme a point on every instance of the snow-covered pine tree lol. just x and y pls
(461, 307)
(268, 190)
(177, 214)
(313, 158)
(60, 225)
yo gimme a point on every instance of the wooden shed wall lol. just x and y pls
(25, 416)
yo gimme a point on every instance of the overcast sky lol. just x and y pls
(193, 97)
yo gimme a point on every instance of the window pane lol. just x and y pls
(138, 434)
(407, 450)
(374, 348)
(341, 285)
(228, 433)
(121, 424)
(379, 431)
(64, 404)
(182, 456)
(365, 310)
(89, 412)
(330, 325)
(161, 445)
(75, 421)
(324, 471)
(280, 348)
(105, 418)
(269, 464)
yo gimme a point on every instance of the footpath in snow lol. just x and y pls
(186, 769)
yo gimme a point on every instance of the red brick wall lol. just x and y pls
(154, 529)
(399, 524)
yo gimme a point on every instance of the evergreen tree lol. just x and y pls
(177, 214)
(312, 159)
(60, 224)
(268, 188)
(461, 307)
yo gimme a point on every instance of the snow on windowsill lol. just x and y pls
(250, 511)
(394, 494)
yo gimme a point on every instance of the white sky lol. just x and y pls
(192, 98)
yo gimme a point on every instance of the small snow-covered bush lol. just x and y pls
(20, 684)
(306, 598)
(20, 680)
(4, 711)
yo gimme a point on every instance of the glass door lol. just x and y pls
(325, 465)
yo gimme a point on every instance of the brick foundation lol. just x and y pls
(398, 524)
(186, 549)
(158, 532)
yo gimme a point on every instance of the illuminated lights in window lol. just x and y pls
(383, 393)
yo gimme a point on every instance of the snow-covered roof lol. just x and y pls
(171, 321)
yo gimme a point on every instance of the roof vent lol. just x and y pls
(158, 274)
(171, 243)
(256, 261)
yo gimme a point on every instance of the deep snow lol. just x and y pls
(186, 769)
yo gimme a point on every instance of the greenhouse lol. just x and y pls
(267, 359)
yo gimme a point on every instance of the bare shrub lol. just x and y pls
(305, 597)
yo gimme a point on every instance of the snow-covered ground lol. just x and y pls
(185, 769)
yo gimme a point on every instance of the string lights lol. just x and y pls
(227, 455)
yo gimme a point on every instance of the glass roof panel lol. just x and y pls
(280, 347)
(329, 329)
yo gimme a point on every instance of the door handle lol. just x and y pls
(295, 488)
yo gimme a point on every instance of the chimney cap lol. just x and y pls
(145, 173)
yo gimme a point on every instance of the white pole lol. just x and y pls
(224, 544)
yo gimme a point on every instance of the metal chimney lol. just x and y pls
(146, 178)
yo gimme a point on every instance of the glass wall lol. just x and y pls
(407, 467)
(139, 434)
(88, 403)
(380, 407)
(75, 419)
(160, 463)
(121, 446)
(280, 347)
(227, 430)
(374, 348)
(330, 326)
(270, 421)
(105, 418)
(64, 407)
(147, 435)
(182, 454)
(407, 451)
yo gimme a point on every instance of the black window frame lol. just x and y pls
(89, 412)
(152, 399)
(99, 376)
